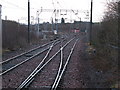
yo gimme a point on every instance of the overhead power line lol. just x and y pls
(64, 10)
(14, 5)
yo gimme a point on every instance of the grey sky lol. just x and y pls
(17, 9)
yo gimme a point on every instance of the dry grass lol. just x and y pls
(106, 60)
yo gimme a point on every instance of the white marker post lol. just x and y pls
(0, 19)
(0, 43)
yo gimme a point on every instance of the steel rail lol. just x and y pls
(115, 47)
(34, 73)
(60, 73)
(7, 60)
(25, 60)
(38, 65)
(60, 67)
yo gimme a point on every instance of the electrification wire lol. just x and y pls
(17, 6)
(71, 10)
(53, 4)
(75, 14)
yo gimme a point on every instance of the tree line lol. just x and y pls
(108, 30)
(14, 35)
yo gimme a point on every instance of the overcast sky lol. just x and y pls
(17, 9)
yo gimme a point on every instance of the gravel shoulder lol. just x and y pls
(82, 73)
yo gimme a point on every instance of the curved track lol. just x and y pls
(37, 70)
(62, 68)
(55, 59)
(20, 55)
(16, 61)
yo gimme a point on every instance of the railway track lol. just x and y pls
(16, 61)
(44, 63)
(17, 56)
(62, 68)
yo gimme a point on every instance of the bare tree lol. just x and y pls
(110, 24)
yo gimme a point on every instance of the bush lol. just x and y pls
(14, 35)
